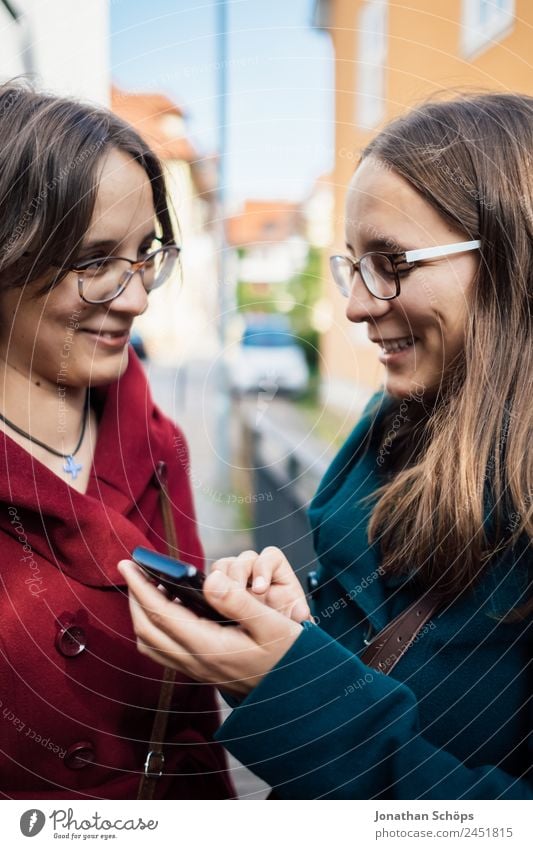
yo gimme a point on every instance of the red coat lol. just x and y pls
(74, 723)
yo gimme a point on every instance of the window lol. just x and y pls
(371, 54)
(483, 22)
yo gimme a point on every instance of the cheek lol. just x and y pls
(414, 312)
(439, 302)
(449, 292)
(61, 320)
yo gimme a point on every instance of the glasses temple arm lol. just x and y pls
(441, 251)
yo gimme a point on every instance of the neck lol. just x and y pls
(52, 413)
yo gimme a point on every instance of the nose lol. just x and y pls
(134, 299)
(362, 306)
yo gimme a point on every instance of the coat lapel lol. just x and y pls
(85, 535)
(339, 517)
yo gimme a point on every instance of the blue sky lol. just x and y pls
(280, 83)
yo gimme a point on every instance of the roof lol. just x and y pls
(263, 221)
(149, 114)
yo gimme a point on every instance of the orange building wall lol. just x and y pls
(424, 57)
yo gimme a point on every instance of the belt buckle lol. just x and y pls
(154, 770)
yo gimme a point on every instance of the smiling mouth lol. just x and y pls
(107, 334)
(394, 346)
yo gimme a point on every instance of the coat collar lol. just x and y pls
(339, 516)
(84, 535)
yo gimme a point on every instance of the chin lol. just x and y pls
(104, 372)
(403, 388)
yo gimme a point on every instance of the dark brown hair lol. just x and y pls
(472, 160)
(51, 151)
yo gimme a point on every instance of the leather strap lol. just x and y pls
(387, 647)
(390, 645)
(155, 758)
(166, 509)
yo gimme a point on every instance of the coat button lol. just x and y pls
(312, 583)
(79, 755)
(71, 641)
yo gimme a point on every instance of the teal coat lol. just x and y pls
(454, 721)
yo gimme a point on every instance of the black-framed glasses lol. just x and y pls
(381, 271)
(102, 279)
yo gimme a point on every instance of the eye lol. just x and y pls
(88, 256)
(404, 268)
(148, 248)
(95, 264)
(382, 265)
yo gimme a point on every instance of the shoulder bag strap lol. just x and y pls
(390, 645)
(387, 647)
(155, 759)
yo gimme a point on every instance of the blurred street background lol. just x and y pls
(258, 111)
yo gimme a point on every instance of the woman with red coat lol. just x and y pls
(87, 465)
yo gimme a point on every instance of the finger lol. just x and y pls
(167, 652)
(301, 611)
(242, 567)
(154, 643)
(274, 559)
(264, 569)
(259, 620)
(166, 617)
(200, 637)
(171, 645)
(222, 565)
(290, 602)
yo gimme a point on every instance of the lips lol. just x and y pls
(108, 339)
(395, 344)
(112, 334)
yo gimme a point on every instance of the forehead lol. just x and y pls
(124, 201)
(382, 203)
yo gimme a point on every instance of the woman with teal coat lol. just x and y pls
(432, 495)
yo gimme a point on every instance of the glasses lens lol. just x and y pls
(342, 271)
(159, 267)
(103, 278)
(377, 271)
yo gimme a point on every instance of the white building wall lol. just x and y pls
(11, 62)
(181, 322)
(63, 44)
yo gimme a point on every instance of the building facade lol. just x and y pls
(62, 45)
(389, 57)
(182, 321)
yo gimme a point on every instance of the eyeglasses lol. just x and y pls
(381, 271)
(103, 279)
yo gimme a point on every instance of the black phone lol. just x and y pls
(180, 580)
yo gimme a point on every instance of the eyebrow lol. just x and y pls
(389, 245)
(112, 243)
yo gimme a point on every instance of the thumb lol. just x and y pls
(263, 623)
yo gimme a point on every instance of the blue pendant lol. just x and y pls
(72, 468)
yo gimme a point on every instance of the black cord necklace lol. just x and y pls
(70, 467)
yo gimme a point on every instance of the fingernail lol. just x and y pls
(300, 611)
(259, 585)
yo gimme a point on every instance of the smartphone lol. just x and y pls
(180, 580)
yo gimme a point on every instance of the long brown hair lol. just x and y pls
(472, 159)
(51, 152)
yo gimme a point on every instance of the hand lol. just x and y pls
(270, 577)
(231, 657)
